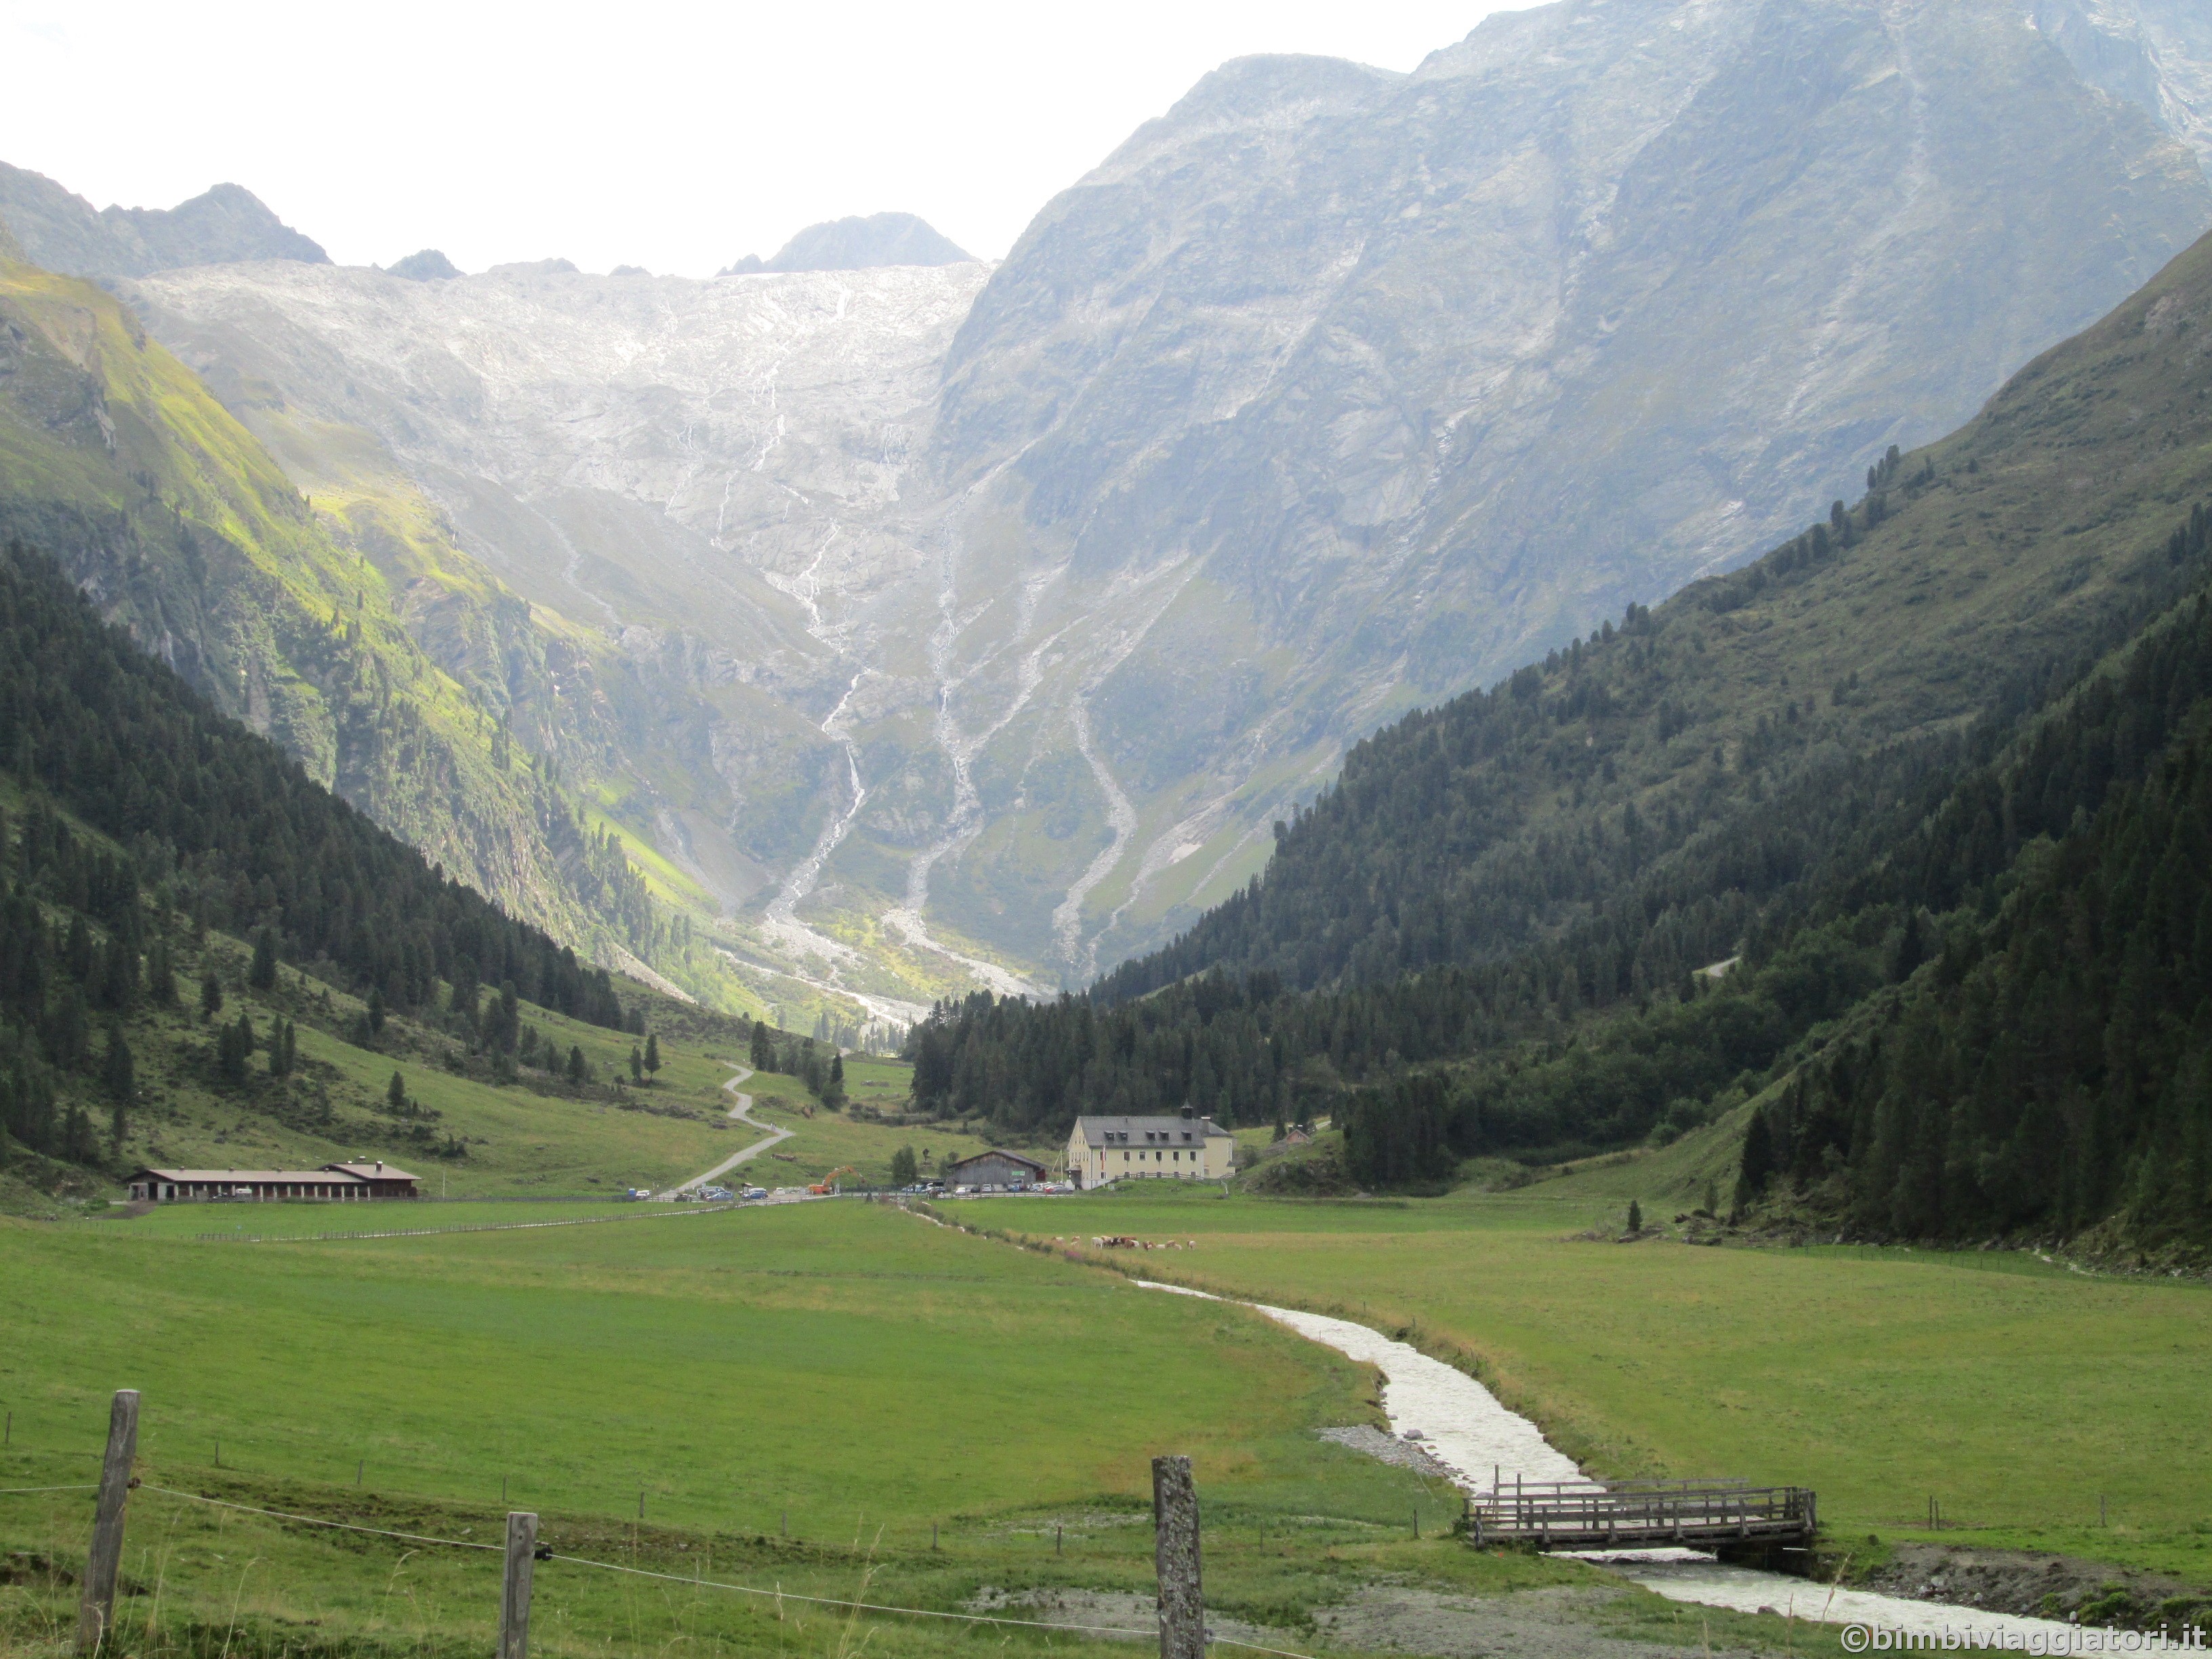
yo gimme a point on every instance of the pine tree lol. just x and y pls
(652, 1055)
(1912, 947)
(76, 951)
(1635, 1217)
(578, 1071)
(395, 1094)
(375, 1012)
(503, 1024)
(118, 1072)
(636, 1064)
(210, 995)
(463, 999)
(234, 1047)
(160, 976)
(1758, 1167)
(262, 976)
(904, 1170)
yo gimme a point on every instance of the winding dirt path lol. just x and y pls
(740, 1113)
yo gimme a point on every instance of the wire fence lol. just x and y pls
(775, 1594)
(235, 1238)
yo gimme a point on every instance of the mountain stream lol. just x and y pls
(1463, 1426)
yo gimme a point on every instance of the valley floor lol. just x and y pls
(833, 1400)
(2025, 1398)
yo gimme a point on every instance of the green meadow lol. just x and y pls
(838, 1399)
(2017, 1393)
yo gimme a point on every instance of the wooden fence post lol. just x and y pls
(514, 1586)
(1182, 1595)
(95, 1607)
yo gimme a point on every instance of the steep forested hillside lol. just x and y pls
(1498, 819)
(2047, 1065)
(227, 821)
(1498, 917)
(136, 823)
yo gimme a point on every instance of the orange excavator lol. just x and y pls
(827, 1184)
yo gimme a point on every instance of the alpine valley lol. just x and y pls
(1542, 728)
(871, 623)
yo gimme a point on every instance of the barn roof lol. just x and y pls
(1012, 1158)
(329, 1174)
(328, 1178)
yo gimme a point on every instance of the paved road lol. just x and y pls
(740, 1113)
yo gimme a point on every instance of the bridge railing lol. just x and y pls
(1643, 1511)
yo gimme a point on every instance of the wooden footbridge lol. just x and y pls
(1559, 1515)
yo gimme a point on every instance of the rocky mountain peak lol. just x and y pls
(859, 243)
(431, 266)
(225, 225)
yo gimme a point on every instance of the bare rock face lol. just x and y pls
(61, 231)
(703, 479)
(1006, 609)
(1416, 376)
(2156, 54)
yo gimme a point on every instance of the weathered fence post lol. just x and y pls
(514, 1586)
(96, 1608)
(1175, 1525)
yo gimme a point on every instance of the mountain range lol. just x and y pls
(937, 624)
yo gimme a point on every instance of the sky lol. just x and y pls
(675, 136)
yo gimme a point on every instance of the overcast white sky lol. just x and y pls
(677, 136)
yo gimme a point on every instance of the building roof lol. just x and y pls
(328, 1178)
(1134, 1130)
(330, 1174)
(376, 1170)
(1012, 1158)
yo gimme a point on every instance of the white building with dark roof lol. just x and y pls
(1185, 1148)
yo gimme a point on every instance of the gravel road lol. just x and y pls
(740, 1113)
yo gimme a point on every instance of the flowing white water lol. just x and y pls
(1464, 1427)
(965, 821)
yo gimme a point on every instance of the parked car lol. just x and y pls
(755, 1192)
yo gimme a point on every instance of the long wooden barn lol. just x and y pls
(370, 1178)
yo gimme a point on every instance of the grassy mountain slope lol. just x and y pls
(117, 459)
